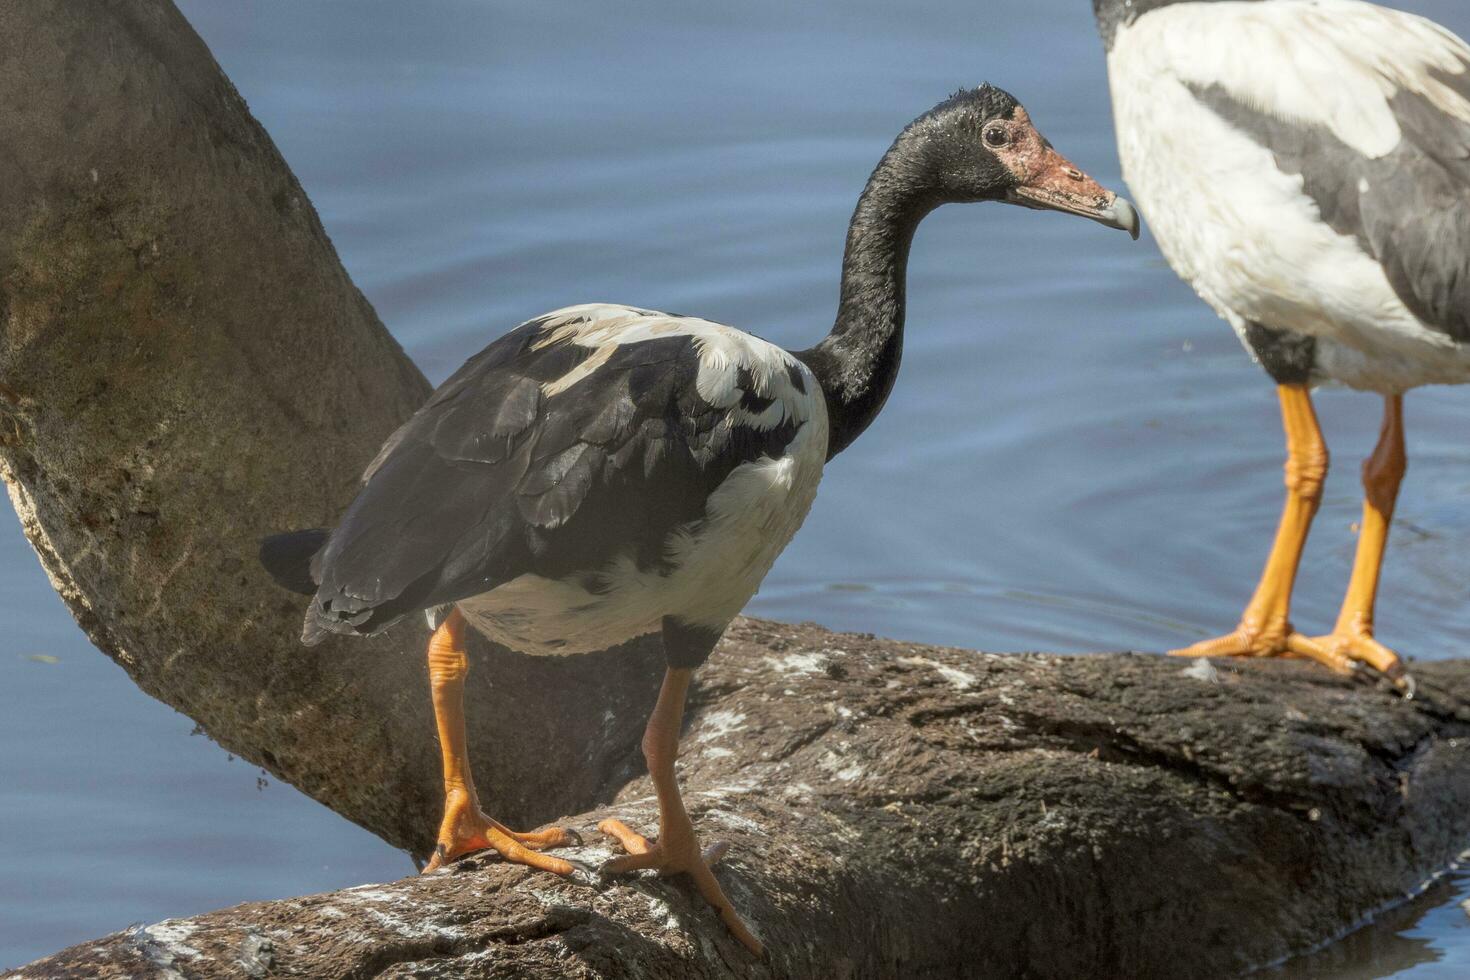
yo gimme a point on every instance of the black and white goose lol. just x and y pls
(605, 472)
(1305, 165)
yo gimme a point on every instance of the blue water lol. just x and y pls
(1078, 455)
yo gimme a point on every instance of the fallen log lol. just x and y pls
(185, 366)
(907, 811)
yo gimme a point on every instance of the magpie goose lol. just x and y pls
(1305, 165)
(605, 472)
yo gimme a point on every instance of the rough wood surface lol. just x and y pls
(185, 366)
(906, 811)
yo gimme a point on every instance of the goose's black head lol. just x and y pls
(980, 145)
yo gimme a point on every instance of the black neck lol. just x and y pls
(857, 362)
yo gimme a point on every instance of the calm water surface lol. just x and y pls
(1078, 456)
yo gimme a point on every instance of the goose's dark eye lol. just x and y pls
(995, 136)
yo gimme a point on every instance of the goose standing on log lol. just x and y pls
(1305, 165)
(605, 472)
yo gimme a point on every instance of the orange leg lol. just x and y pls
(1265, 627)
(676, 850)
(1352, 639)
(465, 827)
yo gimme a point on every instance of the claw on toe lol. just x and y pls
(682, 857)
(1345, 651)
(1247, 640)
(473, 831)
(1353, 649)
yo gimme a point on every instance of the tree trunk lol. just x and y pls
(185, 367)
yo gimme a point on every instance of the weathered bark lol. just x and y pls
(184, 366)
(907, 811)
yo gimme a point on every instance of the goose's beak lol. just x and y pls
(1054, 184)
(1121, 214)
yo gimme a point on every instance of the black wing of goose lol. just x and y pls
(1409, 209)
(503, 472)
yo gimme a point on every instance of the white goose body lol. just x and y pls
(1253, 135)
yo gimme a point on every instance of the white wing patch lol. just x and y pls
(1336, 63)
(723, 353)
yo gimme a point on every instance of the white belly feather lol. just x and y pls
(1240, 231)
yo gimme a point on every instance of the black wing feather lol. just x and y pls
(493, 478)
(289, 558)
(1413, 216)
(1420, 228)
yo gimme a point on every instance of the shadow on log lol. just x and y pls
(185, 366)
